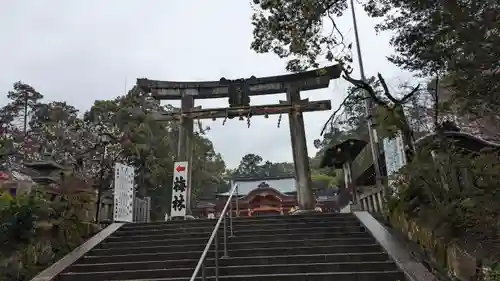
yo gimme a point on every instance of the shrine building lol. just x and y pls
(267, 197)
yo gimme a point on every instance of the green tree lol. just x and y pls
(389, 111)
(295, 30)
(23, 101)
(14, 120)
(151, 146)
(250, 166)
(322, 181)
(453, 194)
(137, 140)
(55, 128)
(431, 38)
(208, 166)
(35, 232)
(459, 39)
(278, 169)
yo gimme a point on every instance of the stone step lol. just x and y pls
(296, 228)
(293, 268)
(110, 256)
(234, 246)
(326, 216)
(239, 238)
(392, 275)
(233, 261)
(274, 225)
(166, 246)
(240, 222)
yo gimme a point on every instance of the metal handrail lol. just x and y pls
(214, 238)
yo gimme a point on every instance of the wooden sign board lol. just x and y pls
(179, 189)
(123, 193)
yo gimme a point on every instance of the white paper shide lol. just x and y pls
(179, 189)
(123, 193)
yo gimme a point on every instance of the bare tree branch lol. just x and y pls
(391, 97)
(365, 86)
(410, 94)
(337, 111)
(407, 132)
(386, 89)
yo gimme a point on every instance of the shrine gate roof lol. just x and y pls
(285, 185)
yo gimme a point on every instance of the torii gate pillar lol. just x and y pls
(305, 198)
(185, 143)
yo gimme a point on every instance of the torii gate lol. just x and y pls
(239, 92)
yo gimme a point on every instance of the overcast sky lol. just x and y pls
(81, 51)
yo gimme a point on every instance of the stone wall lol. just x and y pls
(29, 259)
(448, 255)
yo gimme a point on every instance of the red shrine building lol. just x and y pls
(265, 197)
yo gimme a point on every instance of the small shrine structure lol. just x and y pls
(264, 196)
(268, 196)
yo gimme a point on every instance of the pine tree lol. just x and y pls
(24, 99)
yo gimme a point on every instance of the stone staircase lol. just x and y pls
(307, 247)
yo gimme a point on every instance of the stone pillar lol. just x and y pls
(185, 144)
(148, 209)
(352, 184)
(305, 196)
(292, 138)
(379, 196)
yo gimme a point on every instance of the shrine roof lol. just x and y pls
(284, 185)
(460, 139)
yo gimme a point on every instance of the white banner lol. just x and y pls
(179, 188)
(123, 193)
(395, 157)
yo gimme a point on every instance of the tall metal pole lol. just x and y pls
(368, 110)
(100, 188)
(25, 127)
(104, 141)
